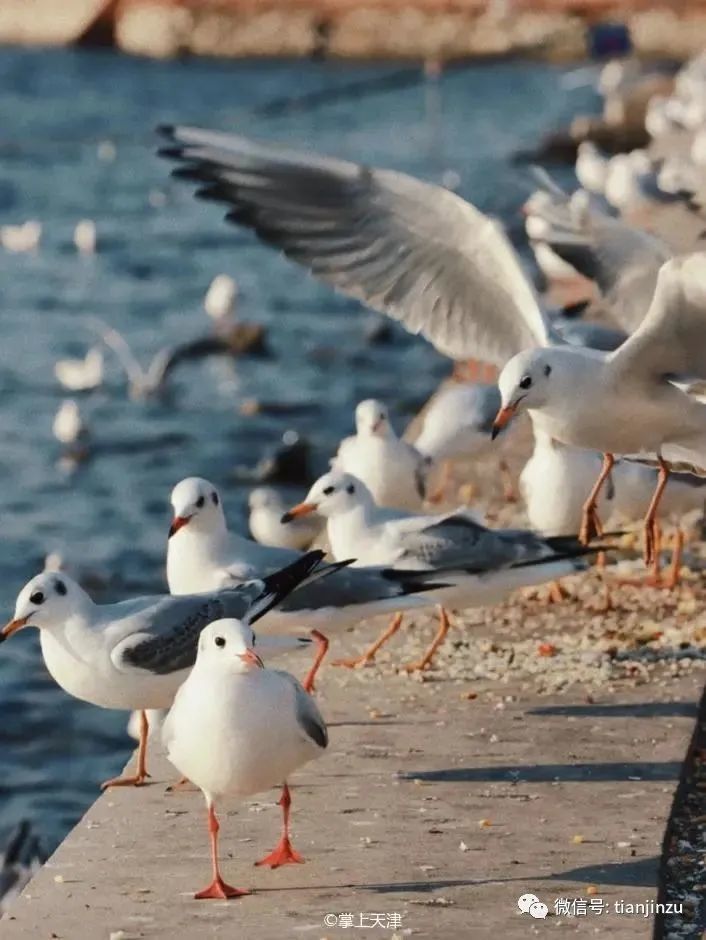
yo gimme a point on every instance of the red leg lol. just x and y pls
(218, 889)
(421, 664)
(651, 529)
(137, 779)
(444, 477)
(674, 575)
(590, 524)
(369, 655)
(322, 642)
(283, 853)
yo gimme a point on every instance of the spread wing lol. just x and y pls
(671, 340)
(412, 250)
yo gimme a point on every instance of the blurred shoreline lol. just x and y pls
(556, 30)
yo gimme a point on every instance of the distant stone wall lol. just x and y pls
(443, 29)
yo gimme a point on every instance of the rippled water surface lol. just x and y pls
(159, 249)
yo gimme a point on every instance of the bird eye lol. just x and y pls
(547, 370)
(37, 598)
(199, 502)
(214, 498)
(350, 488)
(220, 641)
(329, 490)
(526, 381)
(60, 587)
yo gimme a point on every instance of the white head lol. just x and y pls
(228, 646)
(47, 602)
(525, 383)
(221, 296)
(196, 504)
(372, 418)
(264, 497)
(333, 494)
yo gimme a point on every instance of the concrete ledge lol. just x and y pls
(390, 821)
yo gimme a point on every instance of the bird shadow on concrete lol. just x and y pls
(621, 710)
(548, 773)
(634, 872)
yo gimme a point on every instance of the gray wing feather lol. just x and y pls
(457, 541)
(168, 637)
(308, 715)
(412, 250)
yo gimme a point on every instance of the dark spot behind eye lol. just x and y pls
(547, 370)
(350, 488)
(329, 490)
(60, 587)
(200, 501)
(37, 597)
(214, 497)
(526, 381)
(220, 641)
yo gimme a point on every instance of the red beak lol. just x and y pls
(502, 419)
(178, 523)
(251, 657)
(301, 509)
(12, 627)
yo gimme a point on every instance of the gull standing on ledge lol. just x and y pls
(421, 254)
(481, 566)
(393, 470)
(135, 654)
(203, 555)
(237, 728)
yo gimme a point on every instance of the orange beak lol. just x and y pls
(12, 627)
(178, 523)
(502, 418)
(301, 509)
(251, 657)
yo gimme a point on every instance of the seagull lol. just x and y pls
(20, 238)
(70, 429)
(81, 375)
(626, 402)
(86, 237)
(393, 470)
(135, 654)
(266, 508)
(235, 336)
(237, 728)
(591, 167)
(422, 255)
(457, 424)
(202, 555)
(481, 566)
(219, 302)
(621, 259)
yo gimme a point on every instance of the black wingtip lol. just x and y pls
(166, 130)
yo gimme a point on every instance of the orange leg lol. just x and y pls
(673, 578)
(369, 655)
(651, 528)
(322, 642)
(218, 889)
(556, 594)
(283, 853)
(426, 659)
(440, 491)
(137, 779)
(590, 523)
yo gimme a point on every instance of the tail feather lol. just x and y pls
(280, 584)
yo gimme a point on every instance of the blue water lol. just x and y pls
(148, 280)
